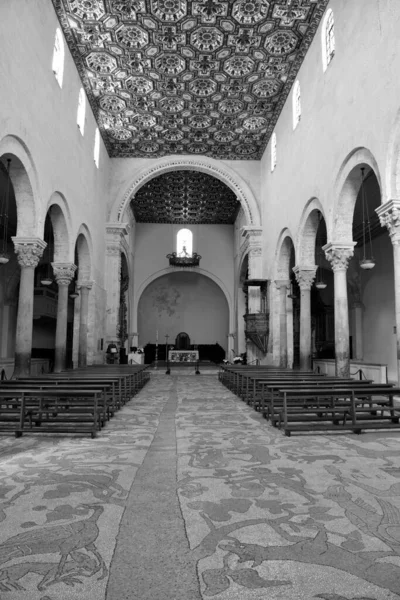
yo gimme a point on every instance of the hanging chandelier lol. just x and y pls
(367, 262)
(4, 255)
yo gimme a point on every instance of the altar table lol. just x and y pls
(183, 355)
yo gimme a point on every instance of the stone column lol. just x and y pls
(282, 286)
(389, 215)
(339, 255)
(231, 346)
(29, 252)
(253, 240)
(115, 233)
(63, 273)
(84, 287)
(305, 277)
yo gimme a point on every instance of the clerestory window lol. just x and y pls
(80, 119)
(58, 57)
(273, 151)
(296, 104)
(96, 149)
(184, 243)
(328, 39)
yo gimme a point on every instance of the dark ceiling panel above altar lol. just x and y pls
(206, 77)
(185, 197)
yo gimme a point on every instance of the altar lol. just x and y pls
(183, 356)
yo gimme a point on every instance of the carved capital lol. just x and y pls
(282, 284)
(63, 272)
(255, 251)
(114, 249)
(28, 250)
(389, 216)
(339, 254)
(305, 276)
(116, 231)
(84, 284)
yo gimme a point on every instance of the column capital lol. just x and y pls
(282, 283)
(251, 231)
(389, 216)
(63, 272)
(117, 229)
(339, 254)
(305, 275)
(28, 250)
(84, 284)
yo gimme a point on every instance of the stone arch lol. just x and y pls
(242, 266)
(198, 270)
(392, 172)
(346, 188)
(305, 246)
(24, 178)
(61, 222)
(283, 252)
(203, 164)
(85, 252)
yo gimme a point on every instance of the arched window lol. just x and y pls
(273, 151)
(58, 57)
(96, 149)
(184, 243)
(296, 104)
(328, 39)
(80, 119)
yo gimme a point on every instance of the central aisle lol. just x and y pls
(188, 494)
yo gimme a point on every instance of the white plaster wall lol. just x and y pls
(35, 110)
(353, 104)
(154, 241)
(183, 302)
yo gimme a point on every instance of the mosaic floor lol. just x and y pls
(189, 494)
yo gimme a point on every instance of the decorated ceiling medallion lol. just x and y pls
(112, 104)
(120, 134)
(144, 120)
(207, 39)
(169, 10)
(281, 42)
(173, 135)
(90, 10)
(185, 197)
(203, 87)
(266, 88)
(249, 12)
(199, 121)
(132, 37)
(239, 66)
(197, 148)
(188, 66)
(230, 107)
(170, 64)
(172, 105)
(224, 136)
(101, 62)
(139, 85)
(253, 123)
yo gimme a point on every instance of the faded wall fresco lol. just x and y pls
(183, 302)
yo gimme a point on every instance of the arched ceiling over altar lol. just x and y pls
(205, 77)
(185, 197)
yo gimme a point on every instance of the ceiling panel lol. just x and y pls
(205, 77)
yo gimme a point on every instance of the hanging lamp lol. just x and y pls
(4, 255)
(367, 262)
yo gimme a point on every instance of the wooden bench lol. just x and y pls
(339, 408)
(43, 411)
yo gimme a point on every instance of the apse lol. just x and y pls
(183, 302)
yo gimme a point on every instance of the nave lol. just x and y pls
(187, 493)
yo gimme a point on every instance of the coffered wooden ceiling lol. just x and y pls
(185, 197)
(205, 77)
